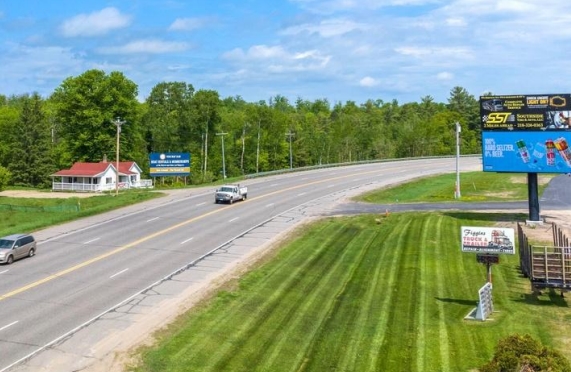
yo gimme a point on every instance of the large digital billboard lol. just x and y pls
(526, 133)
(527, 152)
(529, 112)
(169, 164)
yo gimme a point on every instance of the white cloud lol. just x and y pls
(444, 75)
(327, 28)
(150, 46)
(447, 52)
(94, 24)
(276, 59)
(189, 24)
(456, 22)
(256, 52)
(330, 6)
(368, 81)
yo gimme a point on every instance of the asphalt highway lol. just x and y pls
(97, 276)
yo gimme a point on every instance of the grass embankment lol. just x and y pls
(475, 186)
(30, 214)
(353, 295)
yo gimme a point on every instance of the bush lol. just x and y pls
(518, 353)
(5, 177)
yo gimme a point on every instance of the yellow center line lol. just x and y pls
(159, 233)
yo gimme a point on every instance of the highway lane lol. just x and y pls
(78, 276)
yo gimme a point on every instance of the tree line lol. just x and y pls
(41, 135)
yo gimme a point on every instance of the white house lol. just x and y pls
(97, 177)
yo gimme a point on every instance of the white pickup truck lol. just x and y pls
(230, 194)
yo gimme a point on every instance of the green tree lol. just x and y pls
(86, 108)
(30, 155)
(167, 121)
(205, 108)
(467, 106)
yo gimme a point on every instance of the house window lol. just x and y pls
(108, 180)
(95, 181)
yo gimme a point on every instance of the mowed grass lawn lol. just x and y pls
(351, 294)
(474, 187)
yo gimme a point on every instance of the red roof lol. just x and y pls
(95, 169)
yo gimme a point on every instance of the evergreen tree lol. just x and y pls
(30, 156)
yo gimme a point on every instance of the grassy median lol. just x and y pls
(475, 187)
(365, 293)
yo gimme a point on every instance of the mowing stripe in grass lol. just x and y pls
(316, 287)
(246, 302)
(400, 353)
(316, 309)
(358, 341)
(341, 325)
(423, 265)
(389, 281)
(286, 282)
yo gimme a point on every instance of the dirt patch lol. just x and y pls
(46, 194)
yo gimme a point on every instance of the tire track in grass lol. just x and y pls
(253, 330)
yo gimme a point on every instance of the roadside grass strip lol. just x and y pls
(350, 294)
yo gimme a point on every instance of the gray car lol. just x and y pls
(14, 247)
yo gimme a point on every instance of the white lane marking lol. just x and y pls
(234, 219)
(92, 240)
(274, 184)
(119, 273)
(305, 178)
(9, 325)
(199, 204)
(330, 186)
(270, 205)
(301, 194)
(5, 271)
(186, 241)
(152, 219)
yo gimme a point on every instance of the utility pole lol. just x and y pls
(457, 193)
(258, 146)
(290, 135)
(118, 122)
(223, 159)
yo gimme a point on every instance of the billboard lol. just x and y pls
(526, 133)
(169, 164)
(526, 112)
(488, 240)
(527, 152)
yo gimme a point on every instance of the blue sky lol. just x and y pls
(339, 50)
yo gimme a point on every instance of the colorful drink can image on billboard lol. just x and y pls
(523, 152)
(550, 152)
(563, 148)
